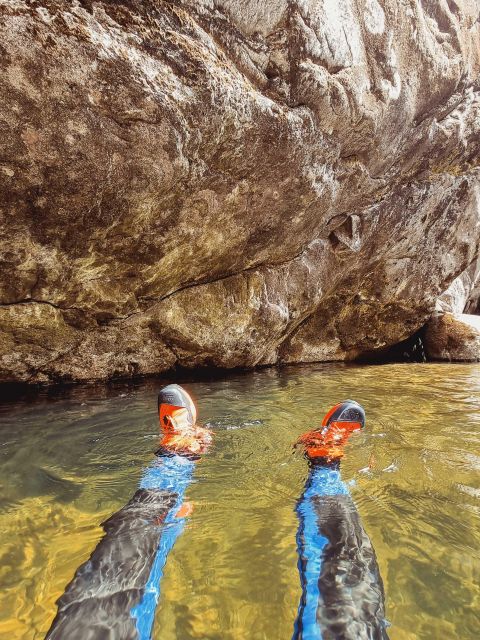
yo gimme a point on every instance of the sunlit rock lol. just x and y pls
(230, 183)
(463, 294)
(453, 338)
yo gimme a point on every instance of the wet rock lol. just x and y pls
(453, 338)
(230, 183)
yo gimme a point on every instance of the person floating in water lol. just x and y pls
(342, 591)
(114, 594)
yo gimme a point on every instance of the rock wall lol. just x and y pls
(230, 182)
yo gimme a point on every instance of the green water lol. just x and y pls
(67, 463)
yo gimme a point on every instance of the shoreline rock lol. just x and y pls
(230, 184)
(454, 338)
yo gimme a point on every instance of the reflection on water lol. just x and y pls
(67, 464)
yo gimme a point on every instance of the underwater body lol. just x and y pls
(70, 461)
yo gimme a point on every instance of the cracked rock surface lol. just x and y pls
(230, 182)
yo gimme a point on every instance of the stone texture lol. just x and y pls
(230, 183)
(464, 292)
(453, 338)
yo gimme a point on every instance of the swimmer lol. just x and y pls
(115, 592)
(342, 591)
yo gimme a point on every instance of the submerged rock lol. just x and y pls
(230, 183)
(453, 338)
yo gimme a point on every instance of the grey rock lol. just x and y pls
(463, 294)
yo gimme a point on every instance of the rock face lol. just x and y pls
(230, 182)
(453, 338)
(463, 295)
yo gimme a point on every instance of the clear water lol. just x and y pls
(67, 463)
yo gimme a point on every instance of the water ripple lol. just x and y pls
(67, 464)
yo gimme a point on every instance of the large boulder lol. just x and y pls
(230, 183)
(455, 338)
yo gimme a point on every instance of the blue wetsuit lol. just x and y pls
(114, 594)
(342, 591)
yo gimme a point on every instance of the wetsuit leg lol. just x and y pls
(113, 595)
(342, 591)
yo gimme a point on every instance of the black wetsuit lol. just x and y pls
(113, 595)
(342, 591)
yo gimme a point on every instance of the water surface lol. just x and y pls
(67, 463)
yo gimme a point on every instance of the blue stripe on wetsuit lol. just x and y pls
(322, 481)
(167, 473)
